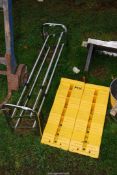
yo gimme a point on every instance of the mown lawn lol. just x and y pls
(20, 155)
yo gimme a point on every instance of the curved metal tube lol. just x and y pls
(53, 25)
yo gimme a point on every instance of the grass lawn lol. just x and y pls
(20, 155)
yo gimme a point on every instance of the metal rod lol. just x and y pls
(25, 87)
(43, 80)
(49, 83)
(34, 83)
(50, 80)
(47, 72)
(18, 107)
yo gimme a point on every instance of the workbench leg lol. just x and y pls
(89, 57)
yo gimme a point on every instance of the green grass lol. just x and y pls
(20, 155)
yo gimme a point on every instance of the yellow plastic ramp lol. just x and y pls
(60, 124)
(87, 132)
(77, 118)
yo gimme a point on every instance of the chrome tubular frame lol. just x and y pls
(22, 106)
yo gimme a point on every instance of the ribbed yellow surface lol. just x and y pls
(77, 117)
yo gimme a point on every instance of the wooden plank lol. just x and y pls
(111, 45)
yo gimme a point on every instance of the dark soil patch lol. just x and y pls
(104, 36)
(91, 5)
(106, 5)
(100, 73)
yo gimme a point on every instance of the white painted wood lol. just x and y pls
(108, 44)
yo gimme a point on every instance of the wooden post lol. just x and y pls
(1, 3)
(9, 39)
